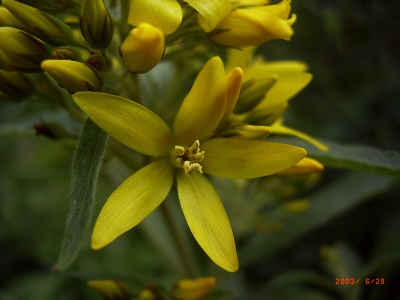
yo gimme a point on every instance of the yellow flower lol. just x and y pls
(167, 14)
(188, 151)
(253, 26)
(268, 101)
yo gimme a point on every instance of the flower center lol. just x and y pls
(189, 158)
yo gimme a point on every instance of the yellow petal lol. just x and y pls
(278, 128)
(241, 158)
(128, 122)
(164, 14)
(207, 219)
(239, 58)
(132, 201)
(233, 85)
(287, 86)
(211, 12)
(204, 106)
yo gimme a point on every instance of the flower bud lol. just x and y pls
(41, 24)
(8, 20)
(304, 167)
(96, 24)
(15, 84)
(253, 92)
(245, 131)
(142, 49)
(264, 116)
(193, 289)
(66, 53)
(21, 51)
(74, 76)
(253, 26)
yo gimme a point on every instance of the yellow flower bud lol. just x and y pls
(143, 48)
(266, 116)
(96, 24)
(193, 289)
(41, 24)
(253, 26)
(304, 167)
(74, 76)
(245, 131)
(15, 84)
(20, 51)
(8, 20)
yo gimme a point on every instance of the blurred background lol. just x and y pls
(352, 231)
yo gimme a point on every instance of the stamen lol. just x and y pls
(189, 158)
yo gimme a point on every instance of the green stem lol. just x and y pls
(179, 240)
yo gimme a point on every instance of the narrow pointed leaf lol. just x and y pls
(355, 157)
(240, 158)
(85, 170)
(128, 122)
(132, 201)
(207, 219)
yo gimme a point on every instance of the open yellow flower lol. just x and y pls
(246, 27)
(188, 151)
(167, 14)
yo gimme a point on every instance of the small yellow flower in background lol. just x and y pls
(304, 167)
(167, 14)
(253, 26)
(143, 48)
(193, 289)
(74, 76)
(110, 289)
(188, 151)
(266, 90)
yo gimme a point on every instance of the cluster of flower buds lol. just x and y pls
(32, 41)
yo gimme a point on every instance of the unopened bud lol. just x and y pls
(304, 167)
(15, 84)
(253, 26)
(143, 48)
(52, 5)
(8, 20)
(266, 116)
(253, 92)
(96, 24)
(74, 76)
(66, 53)
(44, 26)
(21, 51)
(193, 289)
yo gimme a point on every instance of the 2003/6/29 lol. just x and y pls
(355, 281)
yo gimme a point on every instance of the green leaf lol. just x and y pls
(85, 170)
(326, 204)
(361, 158)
